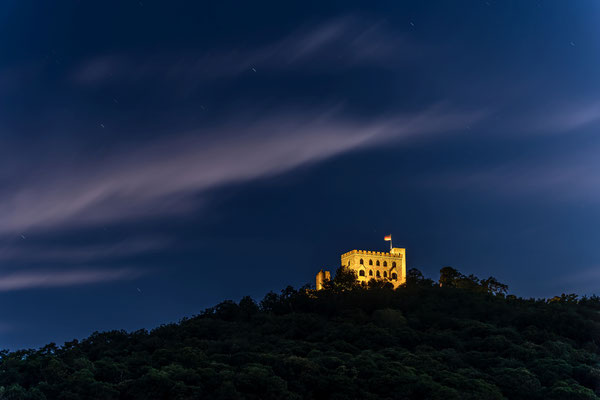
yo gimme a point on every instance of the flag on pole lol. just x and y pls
(387, 238)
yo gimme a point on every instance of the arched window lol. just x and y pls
(394, 276)
(394, 264)
(348, 263)
(370, 262)
(361, 262)
(377, 263)
(385, 263)
(385, 274)
(378, 275)
(370, 273)
(361, 272)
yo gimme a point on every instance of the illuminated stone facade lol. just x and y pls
(389, 267)
(322, 276)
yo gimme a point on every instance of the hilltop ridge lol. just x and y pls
(465, 339)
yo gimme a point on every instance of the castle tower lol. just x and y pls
(322, 277)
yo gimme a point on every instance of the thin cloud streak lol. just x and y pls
(575, 118)
(79, 254)
(54, 278)
(162, 178)
(544, 117)
(555, 118)
(560, 178)
(339, 43)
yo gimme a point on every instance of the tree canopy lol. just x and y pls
(458, 338)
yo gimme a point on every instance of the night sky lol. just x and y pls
(157, 158)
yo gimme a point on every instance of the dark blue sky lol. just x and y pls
(159, 157)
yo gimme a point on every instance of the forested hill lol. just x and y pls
(465, 339)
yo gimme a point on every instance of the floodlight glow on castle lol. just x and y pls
(388, 267)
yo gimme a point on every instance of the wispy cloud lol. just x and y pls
(23, 252)
(549, 117)
(570, 118)
(62, 278)
(545, 168)
(574, 176)
(339, 43)
(159, 178)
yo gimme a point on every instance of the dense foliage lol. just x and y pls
(463, 339)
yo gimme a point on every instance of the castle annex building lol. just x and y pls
(390, 267)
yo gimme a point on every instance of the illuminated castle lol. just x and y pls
(389, 267)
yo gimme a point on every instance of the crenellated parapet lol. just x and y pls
(374, 253)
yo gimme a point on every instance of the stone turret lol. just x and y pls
(322, 277)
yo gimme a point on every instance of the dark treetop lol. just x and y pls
(463, 340)
(159, 156)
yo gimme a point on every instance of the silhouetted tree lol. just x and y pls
(248, 307)
(414, 277)
(492, 286)
(449, 276)
(379, 284)
(344, 279)
(564, 298)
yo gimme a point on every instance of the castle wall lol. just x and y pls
(377, 265)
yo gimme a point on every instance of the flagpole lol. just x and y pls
(388, 238)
